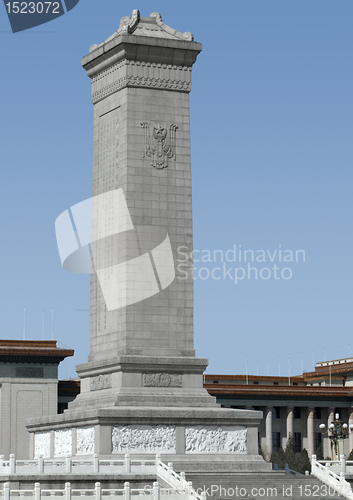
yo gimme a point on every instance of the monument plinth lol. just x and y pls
(142, 388)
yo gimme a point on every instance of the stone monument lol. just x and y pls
(142, 387)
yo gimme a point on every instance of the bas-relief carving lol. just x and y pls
(85, 440)
(162, 380)
(42, 444)
(133, 74)
(63, 443)
(214, 439)
(144, 439)
(102, 381)
(159, 144)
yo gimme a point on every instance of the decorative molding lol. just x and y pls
(129, 24)
(63, 442)
(144, 439)
(140, 74)
(42, 444)
(85, 440)
(102, 381)
(213, 439)
(163, 146)
(162, 380)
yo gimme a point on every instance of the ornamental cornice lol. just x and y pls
(141, 74)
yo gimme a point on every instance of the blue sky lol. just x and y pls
(271, 131)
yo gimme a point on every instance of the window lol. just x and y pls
(317, 413)
(317, 440)
(276, 441)
(276, 412)
(275, 383)
(255, 383)
(295, 383)
(297, 412)
(297, 442)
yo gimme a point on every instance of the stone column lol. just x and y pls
(290, 421)
(310, 431)
(268, 412)
(350, 422)
(330, 418)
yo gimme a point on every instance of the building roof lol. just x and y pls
(32, 351)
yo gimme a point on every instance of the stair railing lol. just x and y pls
(336, 481)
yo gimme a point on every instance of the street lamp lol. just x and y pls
(337, 430)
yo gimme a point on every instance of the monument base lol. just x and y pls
(194, 439)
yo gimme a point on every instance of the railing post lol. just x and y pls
(98, 491)
(68, 465)
(203, 495)
(327, 471)
(6, 491)
(155, 490)
(12, 464)
(158, 459)
(40, 464)
(126, 491)
(127, 463)
(313, 463)
(189, 486)
(95, 464)
(67, 491)
(183, 480)
(170, 469)
(343, 466)
(37, 492)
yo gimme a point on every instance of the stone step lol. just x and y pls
(264, 486)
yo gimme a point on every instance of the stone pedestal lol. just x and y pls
(142, 388)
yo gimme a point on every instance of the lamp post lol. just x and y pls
(337, 431)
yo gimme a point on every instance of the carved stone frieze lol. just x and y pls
(42, 444)
(102, 381)
(144, 439)
(63, 442)
(85, 440)
(162, 380)
(140, 74)
(214, 439)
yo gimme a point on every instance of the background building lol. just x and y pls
(292, 405)
(28, 388)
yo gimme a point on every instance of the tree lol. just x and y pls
(319, 452)
(302, 462)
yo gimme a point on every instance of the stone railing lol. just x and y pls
(98, 493)
(327, 471)
(179, 486)
(70, 465)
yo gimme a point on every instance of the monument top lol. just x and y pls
(150, 26)
(144, 39)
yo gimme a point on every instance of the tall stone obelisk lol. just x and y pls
(141, 305)
(142, 388)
